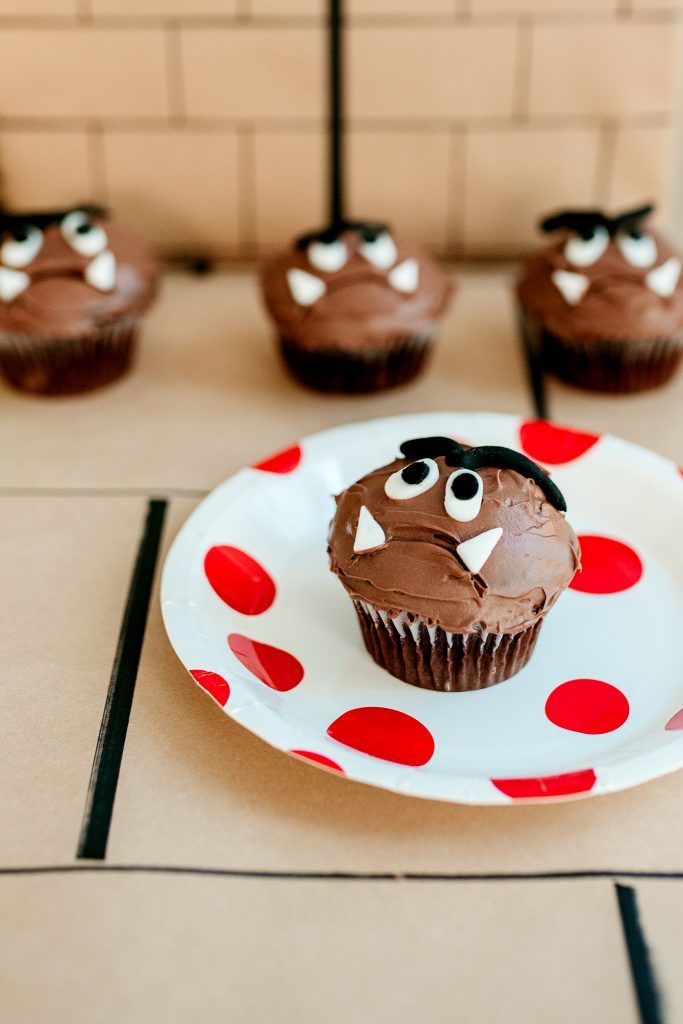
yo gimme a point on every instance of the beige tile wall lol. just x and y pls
(202, 121)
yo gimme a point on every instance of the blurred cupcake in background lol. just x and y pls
(72, 290)
(355, 308)
(604, 302)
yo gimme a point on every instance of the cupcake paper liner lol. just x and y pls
(435, 659)
(63, 366)
(605, 365)
(373, 369)
(617, 366)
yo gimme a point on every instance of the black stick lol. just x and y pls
(532, 347)
(336, 113)
(104, 776)
(642, 971)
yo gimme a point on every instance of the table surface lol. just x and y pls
(200, 871)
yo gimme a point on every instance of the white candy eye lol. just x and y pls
(464, 495)
(637, 247)
(22, 246)
(412, 480)
(381, 252)
(327, 256)
(85, 238)
(582, 252)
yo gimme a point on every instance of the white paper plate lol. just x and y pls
(598, 708)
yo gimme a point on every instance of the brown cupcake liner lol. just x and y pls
(620, 367)
(434, 659)
(616, 366)
(66, 366)
(334, 369)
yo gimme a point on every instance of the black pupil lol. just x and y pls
(415, 473)
(588, 234)
(84, 229)
(465, 486)
(636, 234)
(20, 234)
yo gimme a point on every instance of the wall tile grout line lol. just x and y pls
(640, 961)
(604, 169)
(247, 221)
(482, 124)
(97, 172)
(521, 87)
(465, 18)
(175, 78)
(99, 804)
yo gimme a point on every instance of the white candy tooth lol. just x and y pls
(305, 289)
(12, 283)
(327, 256)
(572, 286)
(475, 551)
(664, 278)
(100, 273)
(405, 277)
(369, 534)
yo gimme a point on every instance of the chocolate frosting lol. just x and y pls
(418, 571)
(618, 304)
(360, 308)
(59, 303)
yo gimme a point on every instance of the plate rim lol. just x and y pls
(644, 763)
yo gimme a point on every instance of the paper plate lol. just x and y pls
(261, 624)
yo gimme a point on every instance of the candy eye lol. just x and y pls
(85, 238)
(412, 480)
(22, 246)
(581, 252)
(464, 495)
(327, 256)
(637, 247)
(381, 251)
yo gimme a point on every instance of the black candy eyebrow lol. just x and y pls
(44, 218)
(585, 221)
(495, 456)
(369, 231)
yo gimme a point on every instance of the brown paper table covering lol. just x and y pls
(235, 879)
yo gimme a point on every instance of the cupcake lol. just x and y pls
(72, 290)
(452, 557)
(355, 309)
(604, 302)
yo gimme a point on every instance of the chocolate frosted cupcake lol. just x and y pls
(355, 309)
(72, 290)
(453, 556)
(604, 303)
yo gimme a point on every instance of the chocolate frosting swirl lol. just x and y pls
(360, 308)
(418, 571)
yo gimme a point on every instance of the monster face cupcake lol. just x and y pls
(604, 302)
(355, 308)
(72, 290)
(453, 556)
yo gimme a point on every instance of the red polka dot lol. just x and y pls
(550, 785)
(239, 580)
(608, 566)
(675, 722)
(214, 684)
(282, 462)
(383, 732)
(310, 755)
(545, 442)
(587, 705)
(277, 669)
